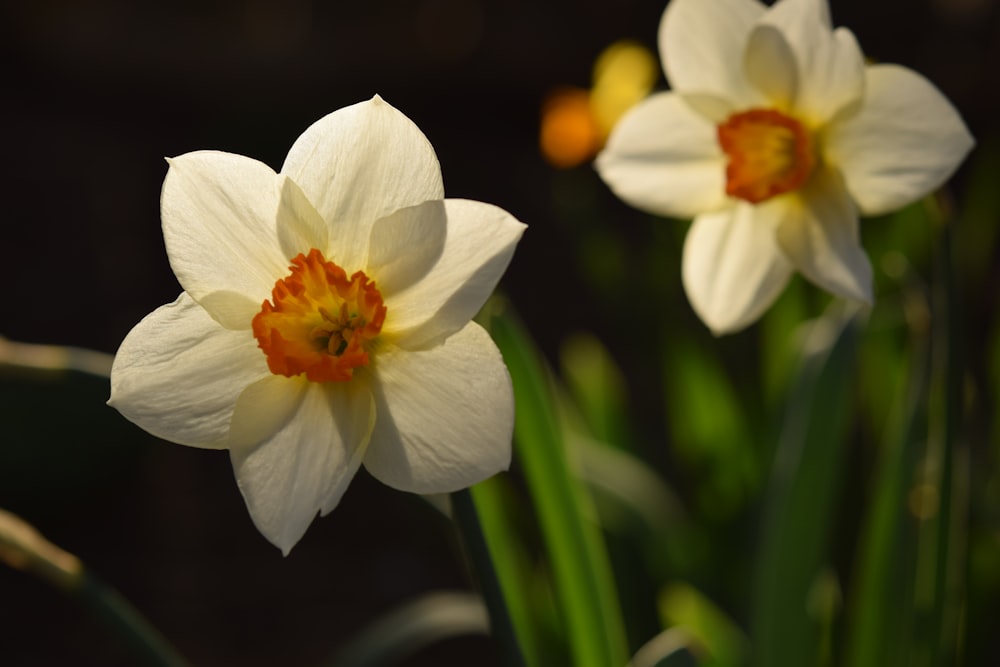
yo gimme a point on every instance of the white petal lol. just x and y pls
(478, 246)
(359, 164)
(770, 66)
(231, 310)
(445, 415)
(716, 110)
(732, 267)
(300, 445)
(220, 220)
(406, 244)
(664, 158)
(830, 63)
(702, 43)
(178, 374)
(905, 141)
(265, 408)
(302, 228)
(819, 234)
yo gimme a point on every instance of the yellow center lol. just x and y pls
(769, 154)
(319, 321)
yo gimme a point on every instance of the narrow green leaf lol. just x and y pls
(23, 548)
(429, 619)
(787, 625)
(942, 532)
(878, 625)
(585, 588)
(598, 387)
(466, 516)
(527, 598)
(711, 433)
(718, 637)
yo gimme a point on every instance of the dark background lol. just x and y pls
(96, 92)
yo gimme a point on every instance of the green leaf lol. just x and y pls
(528, 597)
(709, 429)
(715, 634)
(597, 386)
(789, 613)
(585, 587)
(429, 619)
(879, 623)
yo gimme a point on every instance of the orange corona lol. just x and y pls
(769, 154)
(319, 322)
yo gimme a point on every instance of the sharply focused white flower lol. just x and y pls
(774, 137)
(325, 321)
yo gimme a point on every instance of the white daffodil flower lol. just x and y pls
(775, 136)
(325, 321)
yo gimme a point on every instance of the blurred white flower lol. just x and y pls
(360, 351)
(774, 137)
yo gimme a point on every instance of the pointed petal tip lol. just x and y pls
(868, 296)
(726, 329)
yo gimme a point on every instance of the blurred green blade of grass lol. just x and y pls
(672, 647)
(648, 532)
(585, 586)
(419, 623)
(787, 623)
(710, 430)
(528, 600)
(942, 483)
(778, 360)
(598, 388)
(716, 635)
(876, 625)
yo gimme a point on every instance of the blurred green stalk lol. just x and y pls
(584, 584)
(942, 497)
(23, 548)
(794, 596)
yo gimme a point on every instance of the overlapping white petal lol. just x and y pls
(905, 140)
(299, 224)
(830, 64)
(457, 430)
(701, 46)
(312, 442)
(770, 66)
(478, 246)
(359, 164)
(220, 224)
(881, 137)
(663, 157)
(819, 233)
(178, 374)
(732, 266)
(363, 187)
(405, 245)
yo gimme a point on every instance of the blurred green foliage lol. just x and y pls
(821, 489)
